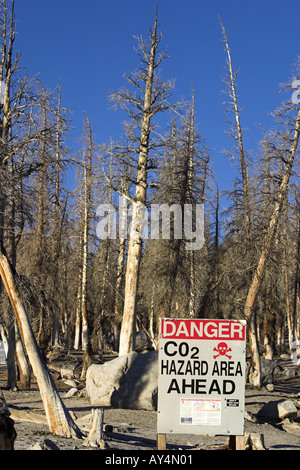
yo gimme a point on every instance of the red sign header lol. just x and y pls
(203, 329)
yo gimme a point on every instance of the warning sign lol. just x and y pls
(201, 383)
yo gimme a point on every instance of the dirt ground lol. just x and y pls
(133, 430)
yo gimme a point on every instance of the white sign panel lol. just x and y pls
(201, 384)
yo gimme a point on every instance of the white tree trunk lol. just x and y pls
(78, 319)
(4, 339)
(24, 367)
(127, 335)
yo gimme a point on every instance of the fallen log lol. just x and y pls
(29, 416)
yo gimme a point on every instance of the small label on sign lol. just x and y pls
(200, 412)
(233, 402)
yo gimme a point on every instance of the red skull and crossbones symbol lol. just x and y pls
(222, 349)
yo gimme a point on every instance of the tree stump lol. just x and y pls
(95, 437)
(250, 441)
(254, 441)
(7, 430)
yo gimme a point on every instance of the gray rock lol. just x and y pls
(292, 428)
(67, 373)
(270, 387)
(250, 417)
(129, 381)
(82, 393)
(103, 379)
(72, 383)
(71, 393)
(269, 368)
(275, 411)
(287, 409)
(285, 357)
(36, 446)
(142, 342)
(46, 444)
(291, 371)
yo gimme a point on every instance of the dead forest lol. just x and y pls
(64, 286)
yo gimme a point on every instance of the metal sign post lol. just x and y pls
(201, 383)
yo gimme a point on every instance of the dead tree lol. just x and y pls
(59, 419)
(268, 240)
(152, 100)
(81, 308)
(237, 136)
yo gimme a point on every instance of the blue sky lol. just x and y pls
(89, 46)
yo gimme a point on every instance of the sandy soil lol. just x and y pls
(133, 430)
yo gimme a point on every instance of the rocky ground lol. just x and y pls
(133, 430)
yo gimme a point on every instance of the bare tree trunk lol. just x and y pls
(268, 324)
(135, 242)
(8, 38)
(57, 226)
(77, 334)
(119, 299)
(66, 328)
(290, 318)
(118, 292)
(107, 256)
(192, 305)
(120, 276)
(297, 276)
(40, 225)
(11, 355)
(59, 419)
(24, 367)
(242, 155)
(131, 283)
(86, 219)
(4, 338)
(191, 150)
(266, 246)
(151, 319)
